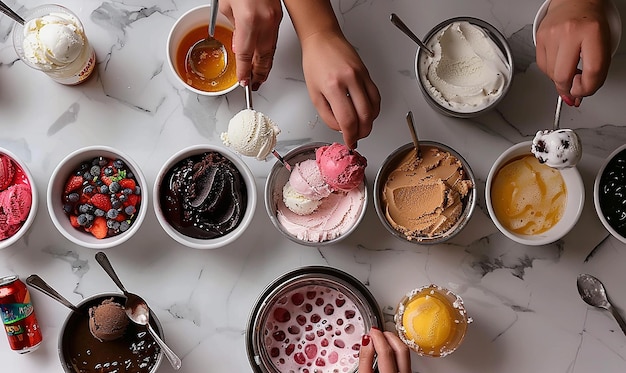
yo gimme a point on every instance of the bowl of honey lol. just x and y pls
(212, 73)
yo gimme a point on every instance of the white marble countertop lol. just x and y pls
(527, 314)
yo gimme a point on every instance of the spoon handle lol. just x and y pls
(214, 10)
(407, 31)
(38, 283)
(103, 260)
(11, 13)
(248, 95)
(618, 318)
(171, 356)
(557, 113)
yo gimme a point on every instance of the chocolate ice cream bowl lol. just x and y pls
(574, 200)
(56, 191)
(421, 63)
(322, 310)
(248, 206)
(26, 178)
(279, 176)
(609, 193)
(80, 351)
(391, 162)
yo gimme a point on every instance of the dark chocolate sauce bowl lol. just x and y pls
(609, 194)
(80, 352)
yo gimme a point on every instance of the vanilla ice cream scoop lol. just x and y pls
(251, 133)
(557, 148)
(53, 41)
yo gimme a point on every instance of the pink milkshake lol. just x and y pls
(314, 329)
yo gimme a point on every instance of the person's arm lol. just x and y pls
(338, 82)
(393, 355)
(574, 30)
(254, 41)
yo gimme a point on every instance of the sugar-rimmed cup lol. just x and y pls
(198, 19)
(279, 176)
(451, 318)
(430, 93)
(249, 206)
(390, 164)
(17, 230)
(573, 204)
(55, 197)
(616, 165)
(76, 343)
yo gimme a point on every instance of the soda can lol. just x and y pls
(18, 315)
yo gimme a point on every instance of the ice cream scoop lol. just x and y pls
(108, 320)
(251, 133)
(53, 40)
(341, 168)
(557, 148)
(7, 172)
(307, 180)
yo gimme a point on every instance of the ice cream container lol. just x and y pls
(468, 201)
(609, 193)
(471, 44)
(205, 221)
(312, 317)
(325, 228)
(612, 15)
(53, 40)
(18, 198)
(518, 224)
(56, 202)
(78, 348)
(188, 29)
(432, 321)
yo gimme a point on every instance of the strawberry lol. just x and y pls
(121, 217)
(99, 227)
(73, 183)
(128, 183)
(101, 201)
(74, 221)
(106, 179)
(132, 200)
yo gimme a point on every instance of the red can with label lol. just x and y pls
(18, 315)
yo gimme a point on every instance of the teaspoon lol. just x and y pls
(407, 31)
(208, 57)
(137, 310)
(593, 293)
(38, 283)
(11, 13)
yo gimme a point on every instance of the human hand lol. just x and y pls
(571, 31)
(340, 87)
(393, 355)
(254, 40)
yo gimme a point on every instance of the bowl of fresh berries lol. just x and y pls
(96, 197)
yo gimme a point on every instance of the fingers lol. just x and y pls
(401, 351)
(366, 355)
(595, 61)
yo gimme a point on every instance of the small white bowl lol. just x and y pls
(190, 20)
(34, 203)
(573, 205)
(612, 14)
(596, 195)
(56, 187)
(206, 243)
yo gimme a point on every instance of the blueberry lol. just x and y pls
(87, 175)
(112, 214)
(113, 224)
(68, 208)
(116, 204)
(85, 208)
(115, 187)
(99, 212)
(102, 161)
(137, 190)
(104, 189)
(94, 170)
(130, 210)
(109, 171)
(89, 189)
(82, 219)
(123, 198)
(118, 163)
(127, 191)
(73, 197)
(124, 226)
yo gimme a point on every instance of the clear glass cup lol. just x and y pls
(70, 73)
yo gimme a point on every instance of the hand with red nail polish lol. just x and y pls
(393, 355)
(571, 31)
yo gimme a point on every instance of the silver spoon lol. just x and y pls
(137, 310)
(249, 106)
(407, 31)
(11, 13)
(38, 283)
(409, 121)
(209, 47)
(593, 293)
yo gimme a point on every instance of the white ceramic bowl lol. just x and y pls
(421, 63)
(573, 205)
(190, 20)
(279, 176)
(56, 187)
(615, 22)
(35, 200)
(596, 194)
(208, 243)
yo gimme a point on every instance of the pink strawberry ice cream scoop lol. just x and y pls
(307, 180)
(16, 202)
(341, 168)
(7, 172)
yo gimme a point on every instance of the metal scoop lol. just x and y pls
(407, 31)
(411, 124)
(593, 293)
(11, 13)
(137, 310)
(207, 53)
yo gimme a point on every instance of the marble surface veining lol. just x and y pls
(527, 314)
